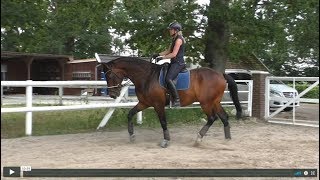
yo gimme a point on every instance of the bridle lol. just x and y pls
(119, 85)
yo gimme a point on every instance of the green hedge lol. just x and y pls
(313, 93)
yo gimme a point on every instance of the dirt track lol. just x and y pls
(253, 145)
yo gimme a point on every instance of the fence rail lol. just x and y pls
(29, 84)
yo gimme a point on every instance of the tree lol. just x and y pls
(77, 28)
(217, 35)
(146, 22)
(20, 22)
(283, 34)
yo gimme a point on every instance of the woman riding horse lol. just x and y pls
(206, 87)
(176, 55)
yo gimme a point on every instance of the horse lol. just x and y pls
(207, 87)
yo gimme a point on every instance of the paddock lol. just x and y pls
(254, 144)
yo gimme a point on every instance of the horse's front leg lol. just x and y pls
(132, 112)
(162, 117)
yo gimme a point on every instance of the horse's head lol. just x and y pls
(114, 79)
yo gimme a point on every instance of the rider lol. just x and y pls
(176, 53)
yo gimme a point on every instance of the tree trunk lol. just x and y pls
(217, 35)
(69, 46)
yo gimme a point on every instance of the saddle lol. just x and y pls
(182, 81)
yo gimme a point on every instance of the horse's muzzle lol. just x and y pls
(114, 93)
(112, 96)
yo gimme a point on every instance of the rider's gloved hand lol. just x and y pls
(159, 58)
(154, 56)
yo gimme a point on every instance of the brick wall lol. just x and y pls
(258, 97)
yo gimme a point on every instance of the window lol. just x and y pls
(81, 75)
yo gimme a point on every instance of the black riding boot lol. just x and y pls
(174, 93)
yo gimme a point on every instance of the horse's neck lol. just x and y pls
(138, 74)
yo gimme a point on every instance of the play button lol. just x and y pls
(11, 171)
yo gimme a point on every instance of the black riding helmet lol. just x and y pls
(175, 25)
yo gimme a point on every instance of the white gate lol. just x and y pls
(292, 108)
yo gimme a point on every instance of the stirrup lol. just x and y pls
(176, 103)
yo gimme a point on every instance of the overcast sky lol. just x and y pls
(203, 2)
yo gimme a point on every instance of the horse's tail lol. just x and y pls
(233, 89)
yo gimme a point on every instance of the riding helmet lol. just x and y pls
(175, 25)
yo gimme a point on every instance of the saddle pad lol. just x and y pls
(182, 81)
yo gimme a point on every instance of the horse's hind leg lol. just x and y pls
(211, 115)
(224, 118)
(206, 127)
(132, 112)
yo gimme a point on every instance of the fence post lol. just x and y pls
(111, 110)
(1, 94)
(267, 97)
(60, 95)
(250, 87)
(294, 102)
(29, 105)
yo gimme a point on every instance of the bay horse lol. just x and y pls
(207, 87)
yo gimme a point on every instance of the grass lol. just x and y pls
(65, 122)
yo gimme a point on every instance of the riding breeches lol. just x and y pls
(174, 69)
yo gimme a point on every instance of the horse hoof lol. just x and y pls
(227, 133)
(164, 143)
(132, 138)
(199, 138)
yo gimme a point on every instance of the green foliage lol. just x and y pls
(283, 34)
(20, 21)
(147, 22)
(313, 93)
(78, 28)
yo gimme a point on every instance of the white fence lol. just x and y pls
(87, 84)
(296, 99)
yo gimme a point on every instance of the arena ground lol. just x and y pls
(254, 144)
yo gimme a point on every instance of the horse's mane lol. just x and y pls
(131, 59)
(140, 63)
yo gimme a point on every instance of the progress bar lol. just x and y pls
(171, 173)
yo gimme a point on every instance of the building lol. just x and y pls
(16, 66)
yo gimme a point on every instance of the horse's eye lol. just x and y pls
(109, 74)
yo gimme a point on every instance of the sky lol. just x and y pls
(203, 2)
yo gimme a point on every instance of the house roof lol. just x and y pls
(82, 61)
(248, 63)
(8, 55)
